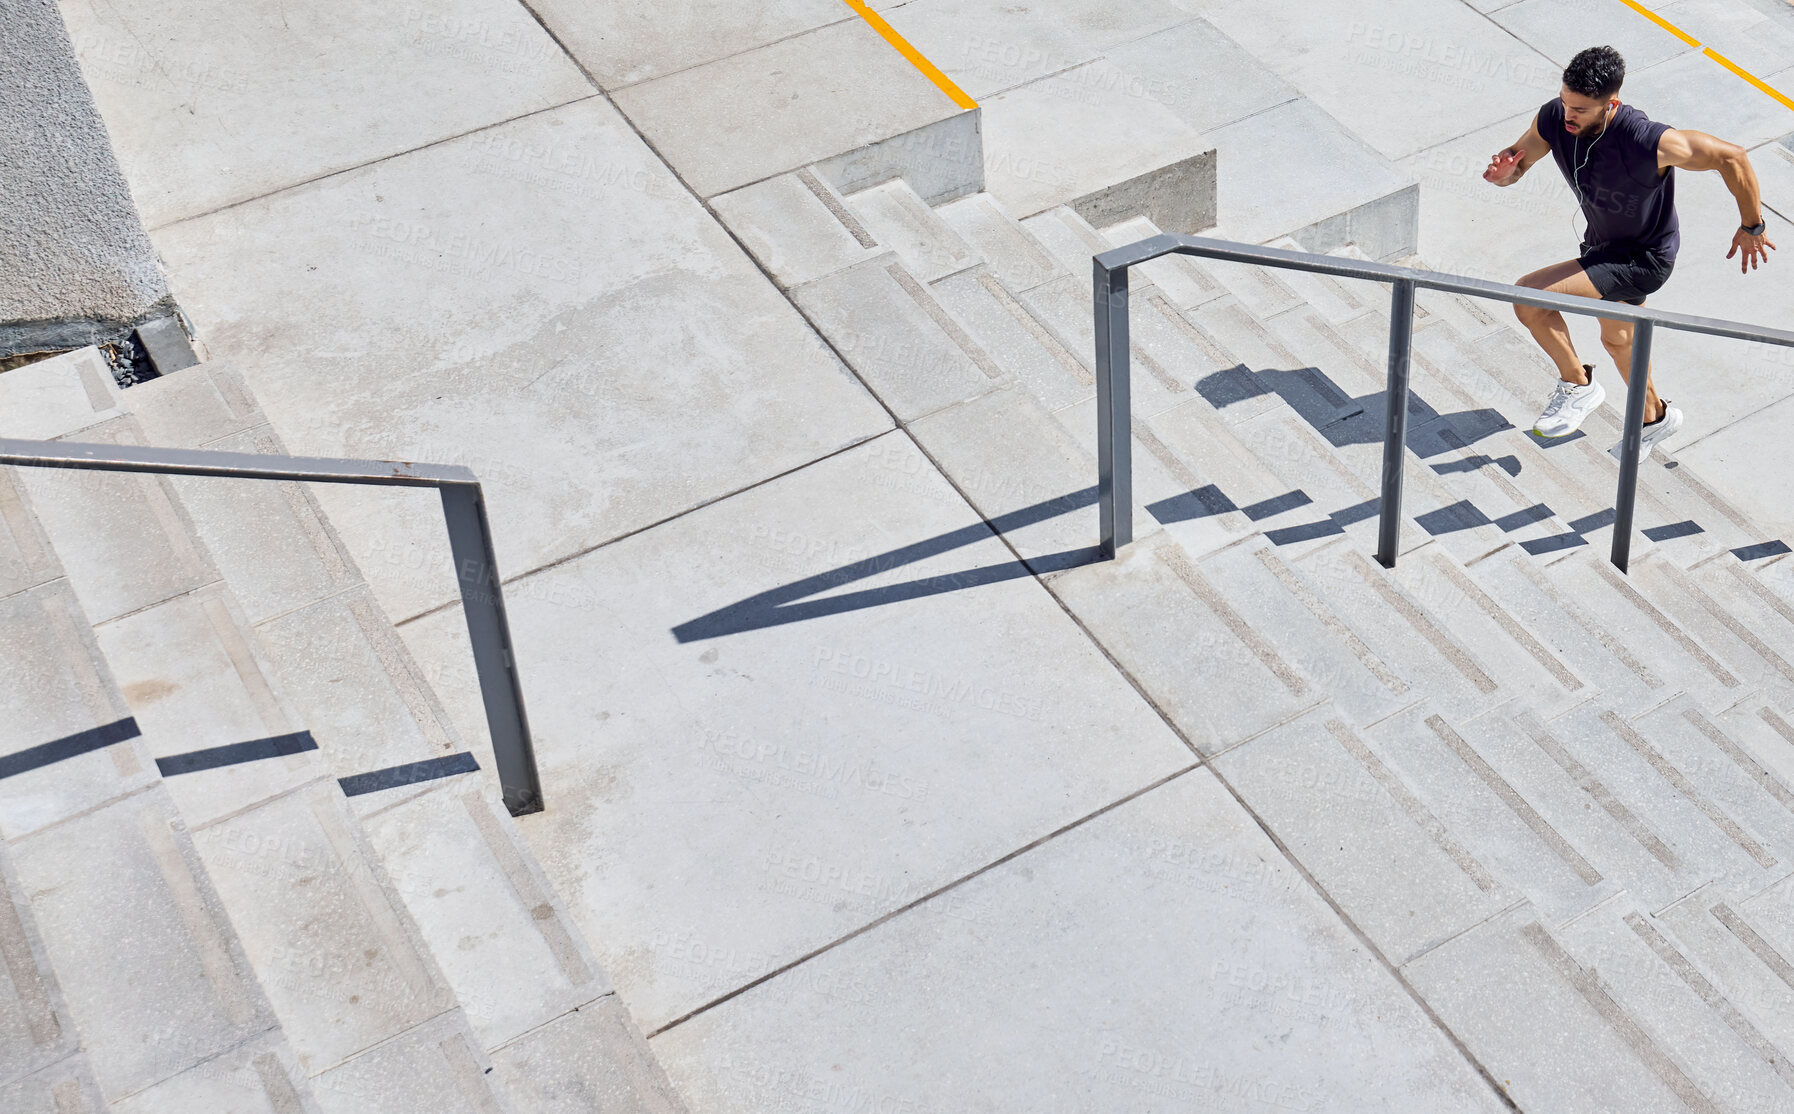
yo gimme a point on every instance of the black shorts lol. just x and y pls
(1625, 272)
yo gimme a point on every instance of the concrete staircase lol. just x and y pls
(1558, 801)
(247, 864)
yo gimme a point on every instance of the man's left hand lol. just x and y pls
(1753, 247)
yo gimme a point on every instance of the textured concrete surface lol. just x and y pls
(79, 269)
(216, 102)
(868, 787)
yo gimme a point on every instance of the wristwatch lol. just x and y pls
(1756, 229)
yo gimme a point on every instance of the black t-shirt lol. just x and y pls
(1615, 176)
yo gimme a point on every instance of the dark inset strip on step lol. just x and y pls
(1673, 530)
(231, 754)
(1538, 512)
(1203, 502)
(69, 746)
(1589, 522)
(1760, 550)
(430, 769)
(1461, 515)
(1277, 504)
(1552, 544)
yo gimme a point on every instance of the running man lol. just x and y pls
(1621, 167)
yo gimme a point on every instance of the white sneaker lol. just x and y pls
(1653, 433)
(1569, 404)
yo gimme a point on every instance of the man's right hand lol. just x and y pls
(1502, 167)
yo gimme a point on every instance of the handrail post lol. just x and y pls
(1395, 422)
(476, 574)
(1637, 386)
(1114, 438)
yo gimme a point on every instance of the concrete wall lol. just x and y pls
(76, 267)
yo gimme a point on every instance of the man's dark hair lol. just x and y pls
(1596, 72)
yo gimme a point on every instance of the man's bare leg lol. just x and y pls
(1547, 325)
(1616, 337)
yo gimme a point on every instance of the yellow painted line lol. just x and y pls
(1661, 22)
(1746, 75)
(929, 69)
(1709, 52)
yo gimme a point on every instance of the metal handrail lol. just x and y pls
(470, 543)
(1113, 420)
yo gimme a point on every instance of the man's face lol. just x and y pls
(1582, 115)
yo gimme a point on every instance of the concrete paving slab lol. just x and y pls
(987, 46)
(738, 769)
(1411, 51)
(214, 103)
(1692, 91)
(1054, 140)
(1546, 1026)
(622, 44)
(761, 112)
(338, 957)
(435, 1068)
(260, 1076)
(60, 687)
(633, 385)
(928, 246)
(140, 942)
(1737, 30)
(1180, 277)
(1557, 29)
(1724, 772)
(1369, 841)
(1763, 733)
(1347, 193)
(505, 944)
(1114, 1011)
(1224, 682)
(796, 226)
(1740, 629)
(899, 340)
(1205, 78)
(1737, 460)
(1774, 164)
(1009, 250)
(591, 1059)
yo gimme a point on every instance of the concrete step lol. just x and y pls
(796, 226)
(1197, 659)
(1012, 336)
(37, 1032)
(897, 337)
(1015, 258)
(1496, 793)
(1648, 633)
(900, 220)
(60, 395)
(1741, 947)
(1361, 831)
(1700, 836)
(1718, 1048)
(1462, 678)
(1257, 582)
(1545, 1025)
(1740, 628)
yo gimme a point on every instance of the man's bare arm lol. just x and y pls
(1507, 167)
(1692, 150)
